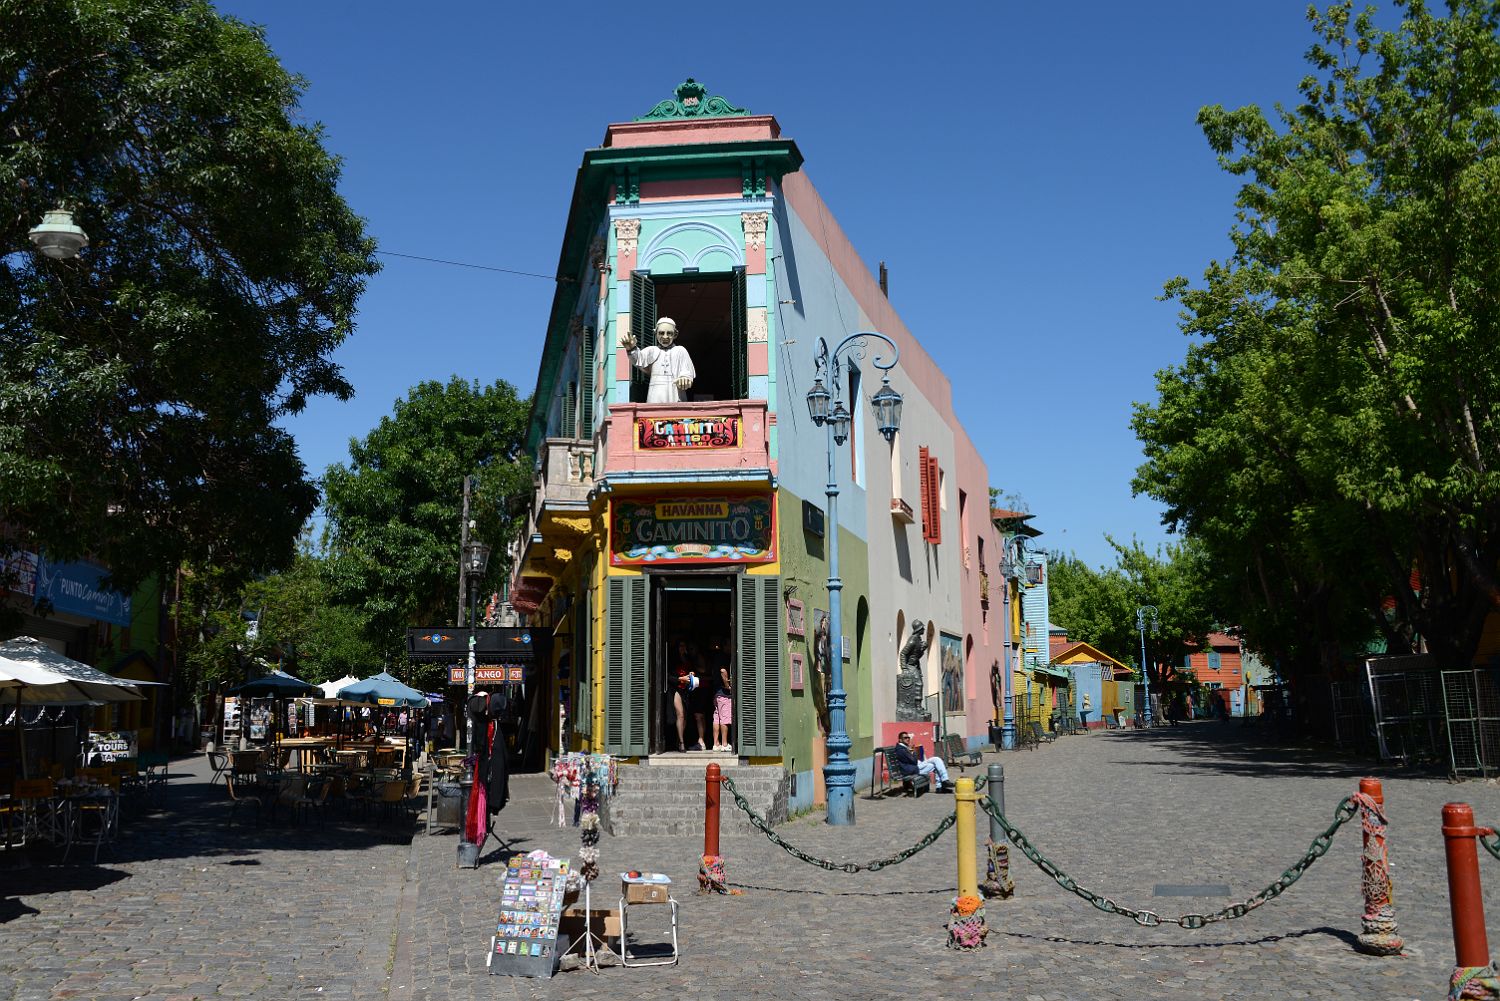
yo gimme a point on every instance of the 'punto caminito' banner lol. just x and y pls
(713, 528)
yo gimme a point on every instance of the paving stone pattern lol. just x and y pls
(185, 909)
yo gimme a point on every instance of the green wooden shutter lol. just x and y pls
(626, 656)
(570, 410)
(739, 344)
(586, 384)
(758, 698)
(642, 327)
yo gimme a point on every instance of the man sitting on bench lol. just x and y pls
(907, 758)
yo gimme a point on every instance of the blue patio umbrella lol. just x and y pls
(277, 685)
(383, 690)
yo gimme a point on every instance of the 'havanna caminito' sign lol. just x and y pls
(671, 434)
(734, 528)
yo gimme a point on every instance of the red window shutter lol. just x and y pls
(924, 468)
(935, 484)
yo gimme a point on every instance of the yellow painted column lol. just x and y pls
(965, 799)
(596, 609)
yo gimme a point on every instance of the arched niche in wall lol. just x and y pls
(692, 244)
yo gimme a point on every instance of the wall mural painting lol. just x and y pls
(952, 656)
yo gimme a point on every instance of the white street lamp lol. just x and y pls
(58, 236)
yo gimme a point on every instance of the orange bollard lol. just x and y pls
(711, 811)
(1471, 946)
(711, 877)
(1378, 935)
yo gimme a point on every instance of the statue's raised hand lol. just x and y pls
(627, 341)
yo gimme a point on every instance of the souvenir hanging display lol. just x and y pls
(573, 772)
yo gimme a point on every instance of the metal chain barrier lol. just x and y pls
(874, 865)
(1490, 840)
(1346, 811)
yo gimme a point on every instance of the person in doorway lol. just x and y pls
(724, 699)
(906, 757)
(701, 699)
(1084, 710)
(685, 693)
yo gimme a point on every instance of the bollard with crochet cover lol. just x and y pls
(1378, 932)
(1474, 975)
(966, 928)
(711, 877)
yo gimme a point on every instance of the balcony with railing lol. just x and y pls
(646, 439)
(558, 518)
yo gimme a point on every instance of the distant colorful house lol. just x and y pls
(1093, 673)
(1219, 668)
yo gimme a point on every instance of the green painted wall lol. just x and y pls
(804, 564)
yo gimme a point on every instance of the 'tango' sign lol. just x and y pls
(699, 529)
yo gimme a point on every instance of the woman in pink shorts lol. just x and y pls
(723, 710)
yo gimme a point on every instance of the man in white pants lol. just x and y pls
(928, 766)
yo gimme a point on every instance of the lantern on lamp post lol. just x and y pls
(57, 236)
(838, 773)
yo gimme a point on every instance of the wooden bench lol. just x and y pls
(954, 752)
(1041, 736)
(912, 785)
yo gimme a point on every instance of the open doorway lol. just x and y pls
(694, 630)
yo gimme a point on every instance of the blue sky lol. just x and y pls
(1031, 174)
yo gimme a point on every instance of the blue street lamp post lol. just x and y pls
(838, 773)
(1010, 559)
(1141, 615)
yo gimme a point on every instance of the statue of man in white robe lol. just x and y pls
(671, 369)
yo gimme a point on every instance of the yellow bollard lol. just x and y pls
(964, 798)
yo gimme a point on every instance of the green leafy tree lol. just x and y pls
(304, 628)
(141, 384)
(1331, 439)
(1097, 606)
(394, 511)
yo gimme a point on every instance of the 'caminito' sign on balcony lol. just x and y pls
(660, 437)
(687, 432)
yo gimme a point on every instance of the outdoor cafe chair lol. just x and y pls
(386, 795)
(293, 793)
(34, 800)
(96, 807)
(413, 797)
(239, 796)
(219, 762)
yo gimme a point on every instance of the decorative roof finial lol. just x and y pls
(692, 102)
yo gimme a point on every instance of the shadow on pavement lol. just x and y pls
(1234, 749)
(1347, 937)
(39, 880)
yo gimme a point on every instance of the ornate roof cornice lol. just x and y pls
(692, 102)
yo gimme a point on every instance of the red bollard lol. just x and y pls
(711, 811)
(711, 863)
(1471, 945)
(1378, 935)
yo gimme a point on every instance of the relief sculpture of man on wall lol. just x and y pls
(671, 368)
(909, 678)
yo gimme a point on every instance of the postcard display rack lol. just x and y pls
(531, 900)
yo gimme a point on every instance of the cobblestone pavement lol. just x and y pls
(1121, 811)
(186, 907)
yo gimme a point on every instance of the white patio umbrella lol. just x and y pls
(331, 688)
(42, 676)
(32, 673)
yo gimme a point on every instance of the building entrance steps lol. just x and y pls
(668, 801)
(698, 760)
